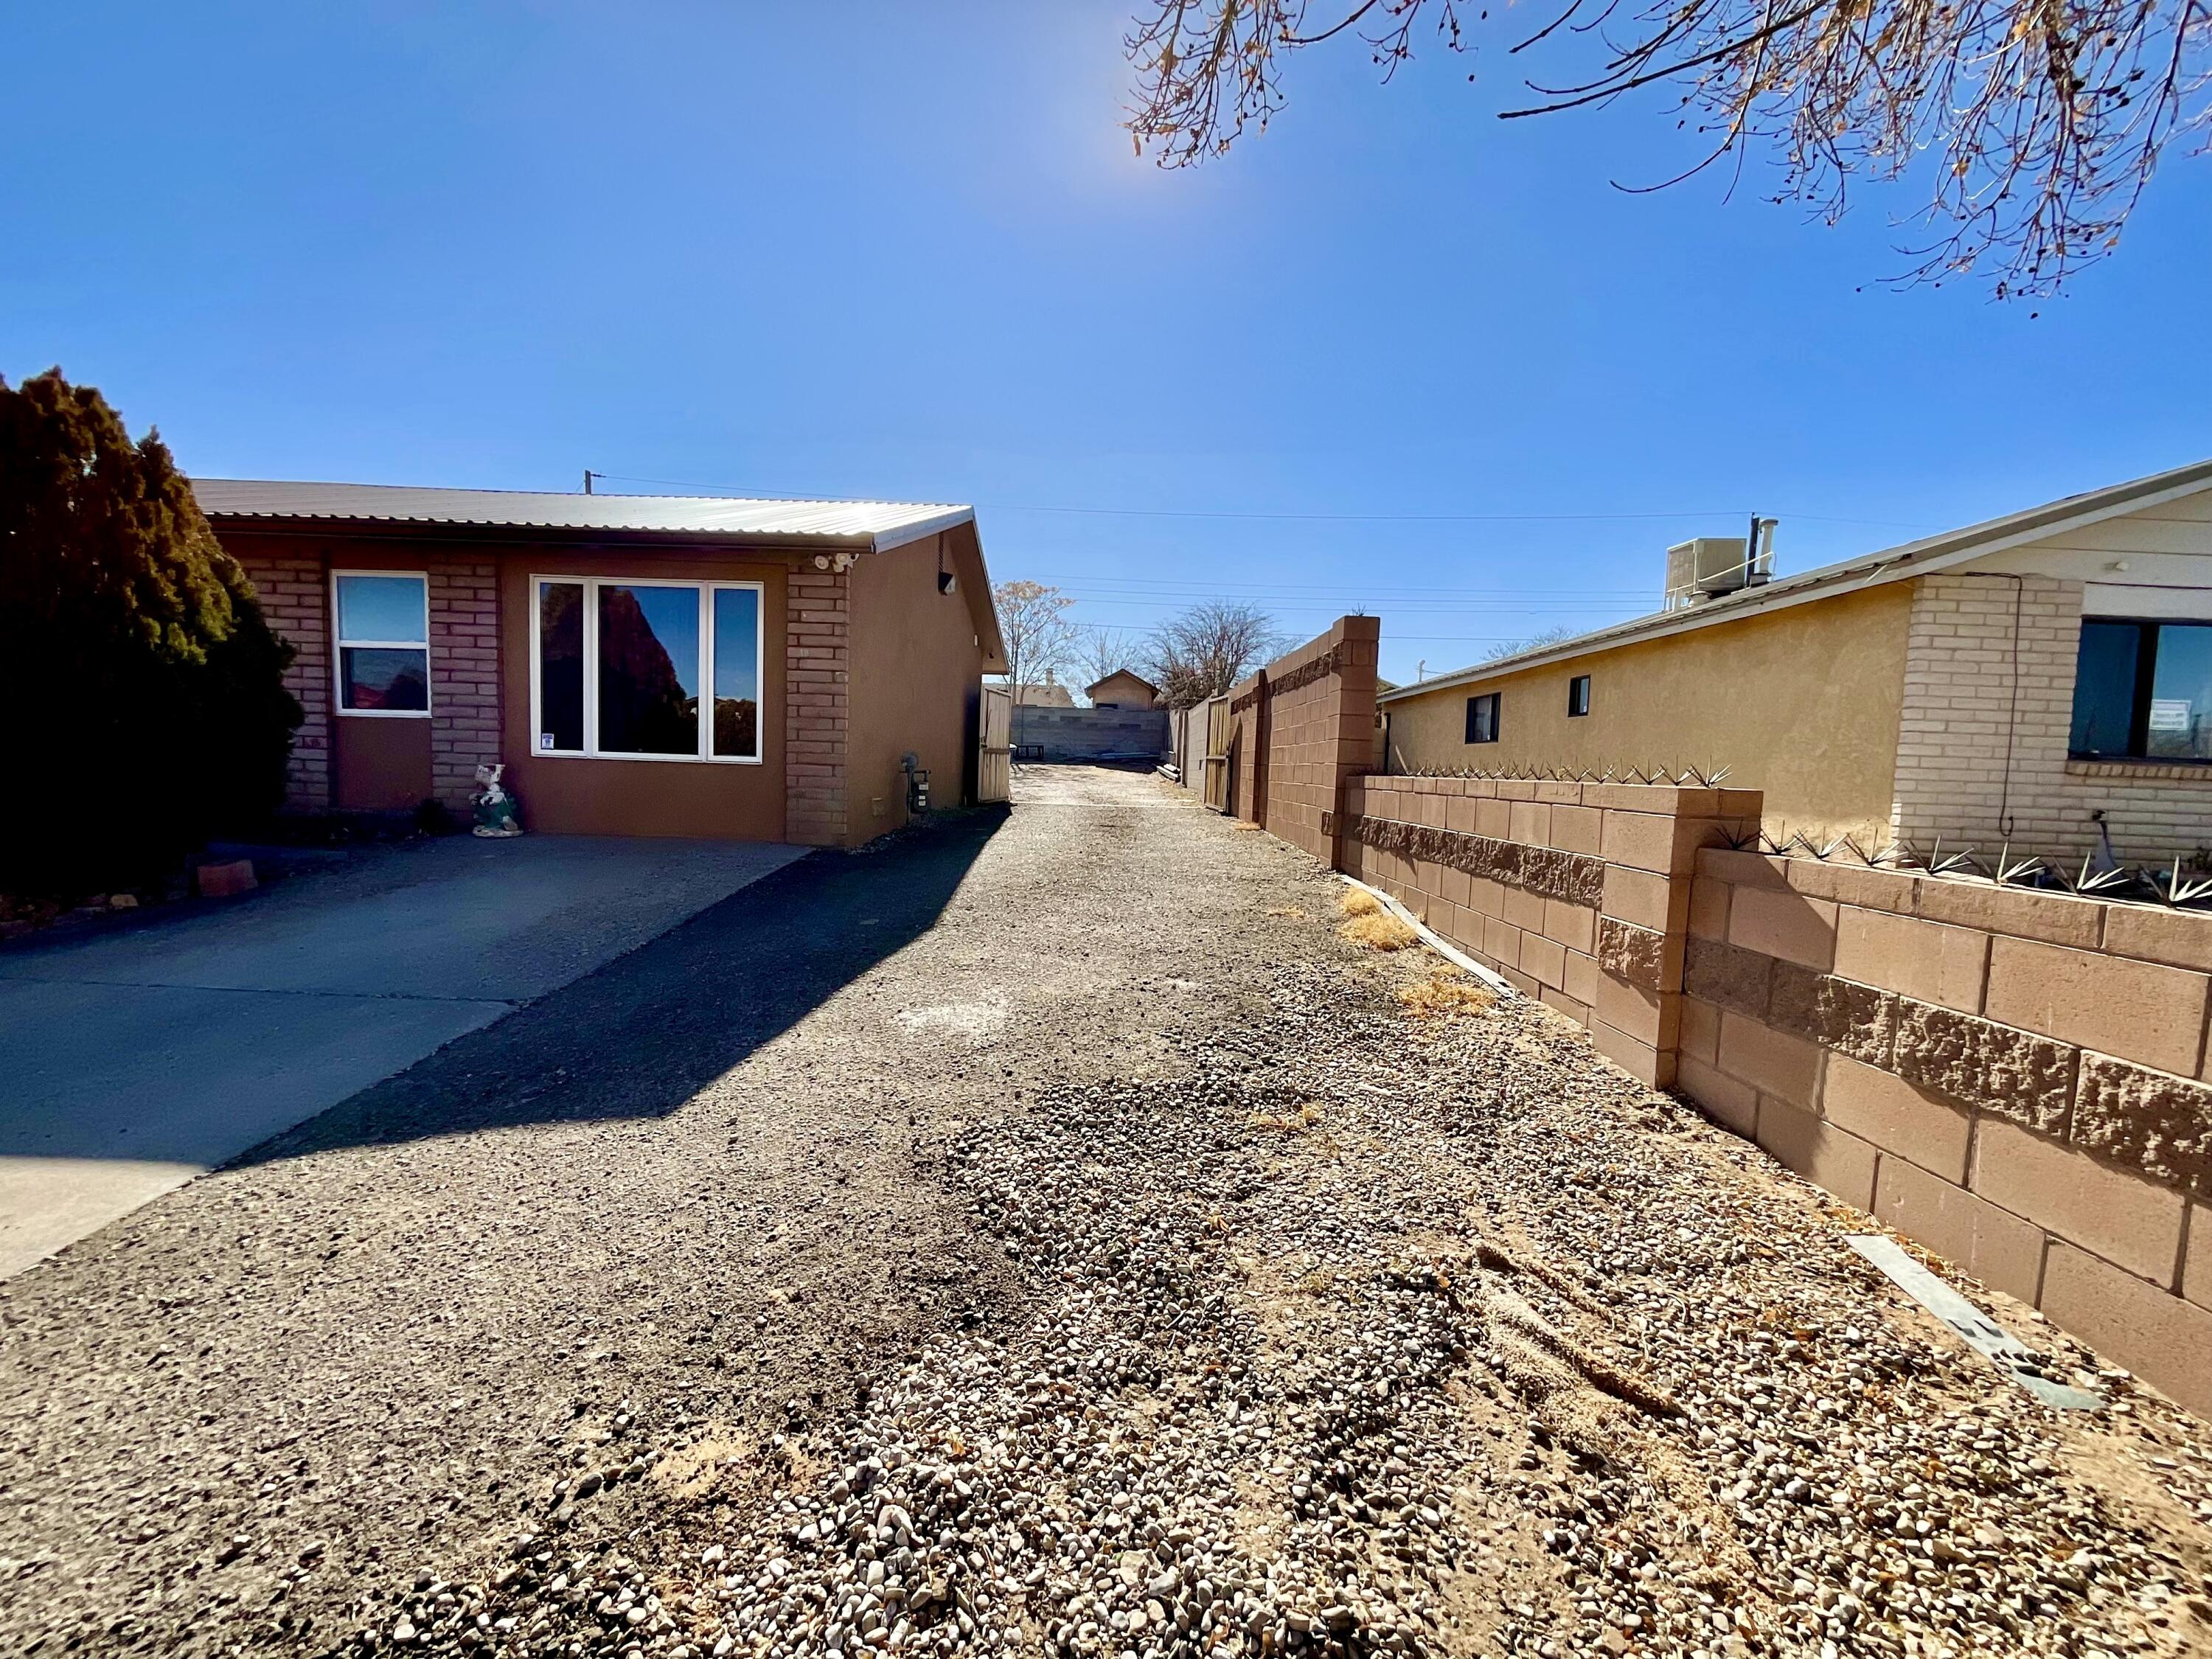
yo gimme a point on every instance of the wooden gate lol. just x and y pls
(1219, 730)
(994, 762)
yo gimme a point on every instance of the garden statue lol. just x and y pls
(495, 819)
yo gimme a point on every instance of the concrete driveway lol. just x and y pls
(132, 1060)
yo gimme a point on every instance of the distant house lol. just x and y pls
(1123, 690)
(2042, 678)
(642, 664)
(1046, 693)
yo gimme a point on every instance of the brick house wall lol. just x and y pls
(2015, 1078)
(465, 690)
(816, 705)
(295, 596)
(1987, 715)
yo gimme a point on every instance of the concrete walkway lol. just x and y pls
(132, 1060)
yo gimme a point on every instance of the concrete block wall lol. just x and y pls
(1577, 893)
(464, 677)
(294, 595)
(1304, 728)
(816, 711)
(2016, 1079)
(1074, 735)
(1987, 715)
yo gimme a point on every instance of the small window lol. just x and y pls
(383, 643)
(1482, 718)
(647, 670)
(1579, 696)
(2143, 691)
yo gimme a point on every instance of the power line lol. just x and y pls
(1274, 518)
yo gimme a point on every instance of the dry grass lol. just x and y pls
(1358, 902)
(1290, 912)
(1446, 994)
(1379, 932)
(1289, 1122)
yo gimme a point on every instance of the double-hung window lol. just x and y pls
(2143, 691)
(383, 642)
(1482, 718)
(646, 670)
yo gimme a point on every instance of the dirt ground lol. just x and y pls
(1044, 1234)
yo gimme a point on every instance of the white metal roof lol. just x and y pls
(873, 525)
(1920, 558)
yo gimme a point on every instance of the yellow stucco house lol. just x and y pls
(2039, 678)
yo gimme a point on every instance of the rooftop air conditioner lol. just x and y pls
(1709, 566)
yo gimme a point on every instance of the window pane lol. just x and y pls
(389, 609)
(648, 670)
(2104, 688)
(2181, 694)
(737, 673)
(559, 665)
(383, 679)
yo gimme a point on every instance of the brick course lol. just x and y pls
(294, 595)
(816, 705)
(464, 711)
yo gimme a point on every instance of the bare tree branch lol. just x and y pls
(1207, 649)
(2037, 123)
(1033, 620)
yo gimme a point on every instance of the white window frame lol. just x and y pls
(706, 587)
(340, 645)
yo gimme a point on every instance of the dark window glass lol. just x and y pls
(2178, 724)
(648, 670)
(1578, 696)
(737, 673)
(390, 681)
(559, 666)
(2104, 688)
(1482, 718)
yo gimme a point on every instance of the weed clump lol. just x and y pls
(1446, 994)
(1380, 931)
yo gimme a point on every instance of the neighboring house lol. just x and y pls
(1048, 693)
(648, 666)
(1123, 690)
(2028, 678)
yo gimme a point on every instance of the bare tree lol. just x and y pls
(1555, 634)
(1102, 651)
(1034, 622)
(1207, 649)
(2041, 121)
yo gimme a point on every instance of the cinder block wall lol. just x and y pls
(1988, 713)
(1303, 727)
(1577, 893)
(2016, 1080)
(1070, 734)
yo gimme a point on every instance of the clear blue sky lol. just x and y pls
(905, 250)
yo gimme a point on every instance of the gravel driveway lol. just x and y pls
(1044, 1235)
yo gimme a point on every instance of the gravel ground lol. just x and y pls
(1045, 1238)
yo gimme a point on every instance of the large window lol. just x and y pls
(1482, 718)
(2143, 691)
(647, 670)
(383, 642)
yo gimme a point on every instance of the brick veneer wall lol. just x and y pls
(295, 597)
(1304, 729)
(1577, 893)
(817, 614)
(464, 677)
(1981, 752)
(2014, 1078)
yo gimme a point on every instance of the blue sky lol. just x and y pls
(855, 249)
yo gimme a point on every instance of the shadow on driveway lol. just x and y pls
(643, 1035)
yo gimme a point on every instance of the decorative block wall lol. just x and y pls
(818, 616)
(2016, 1079)
(1577, 893)
(1304, 728)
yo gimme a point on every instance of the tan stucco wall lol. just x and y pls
(916, 673)
(1802, 703)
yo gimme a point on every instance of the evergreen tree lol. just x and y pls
(143, 690)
